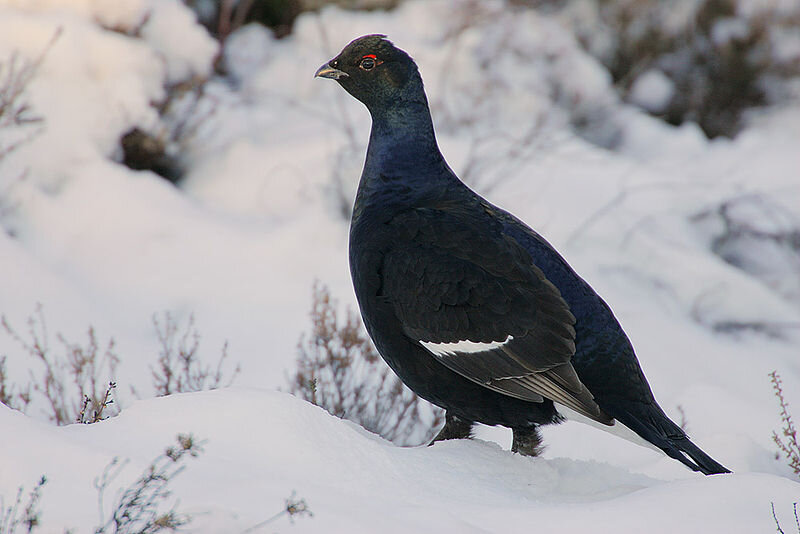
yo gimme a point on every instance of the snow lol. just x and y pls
(652, 91)
(526, 117)
(354, 481)
(729, 29)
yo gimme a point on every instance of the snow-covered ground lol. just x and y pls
(273, 163)
(355, 482)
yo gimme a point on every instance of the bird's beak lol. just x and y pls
(326, 71)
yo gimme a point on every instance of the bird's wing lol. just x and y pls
(473, 298)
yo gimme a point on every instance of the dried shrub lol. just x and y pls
(138, 509)
(339, 370)
(721, 57)
(18, 123)
(27, 516)
(91, 412)
(10, 394)
(778, 523)
(76, 381)
(223, 17)
(158, 149)
(179, 368)
(73, 382)
(292, 507)
(787, 439)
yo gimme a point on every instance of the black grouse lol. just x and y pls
(472, 309)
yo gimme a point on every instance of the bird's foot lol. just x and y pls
(454, 428)
(527, 441)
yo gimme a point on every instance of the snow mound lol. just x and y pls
(260, 446)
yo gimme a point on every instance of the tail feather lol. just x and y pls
(655, 427)
(702, 461)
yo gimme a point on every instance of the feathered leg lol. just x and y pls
(454, 428)
(527, 441)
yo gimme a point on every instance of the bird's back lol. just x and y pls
(604, 357)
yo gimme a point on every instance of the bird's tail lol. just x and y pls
(659, 430)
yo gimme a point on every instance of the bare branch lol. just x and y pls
(339, 370)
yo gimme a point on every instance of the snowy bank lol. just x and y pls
(260, 446)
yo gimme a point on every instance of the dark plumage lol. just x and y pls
(472, 309)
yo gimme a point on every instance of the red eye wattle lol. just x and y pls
(369, 61)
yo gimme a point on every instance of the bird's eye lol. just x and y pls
(367, 63)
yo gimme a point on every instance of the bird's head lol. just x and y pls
(373, 70)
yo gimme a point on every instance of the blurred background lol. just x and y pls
(704, 61)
